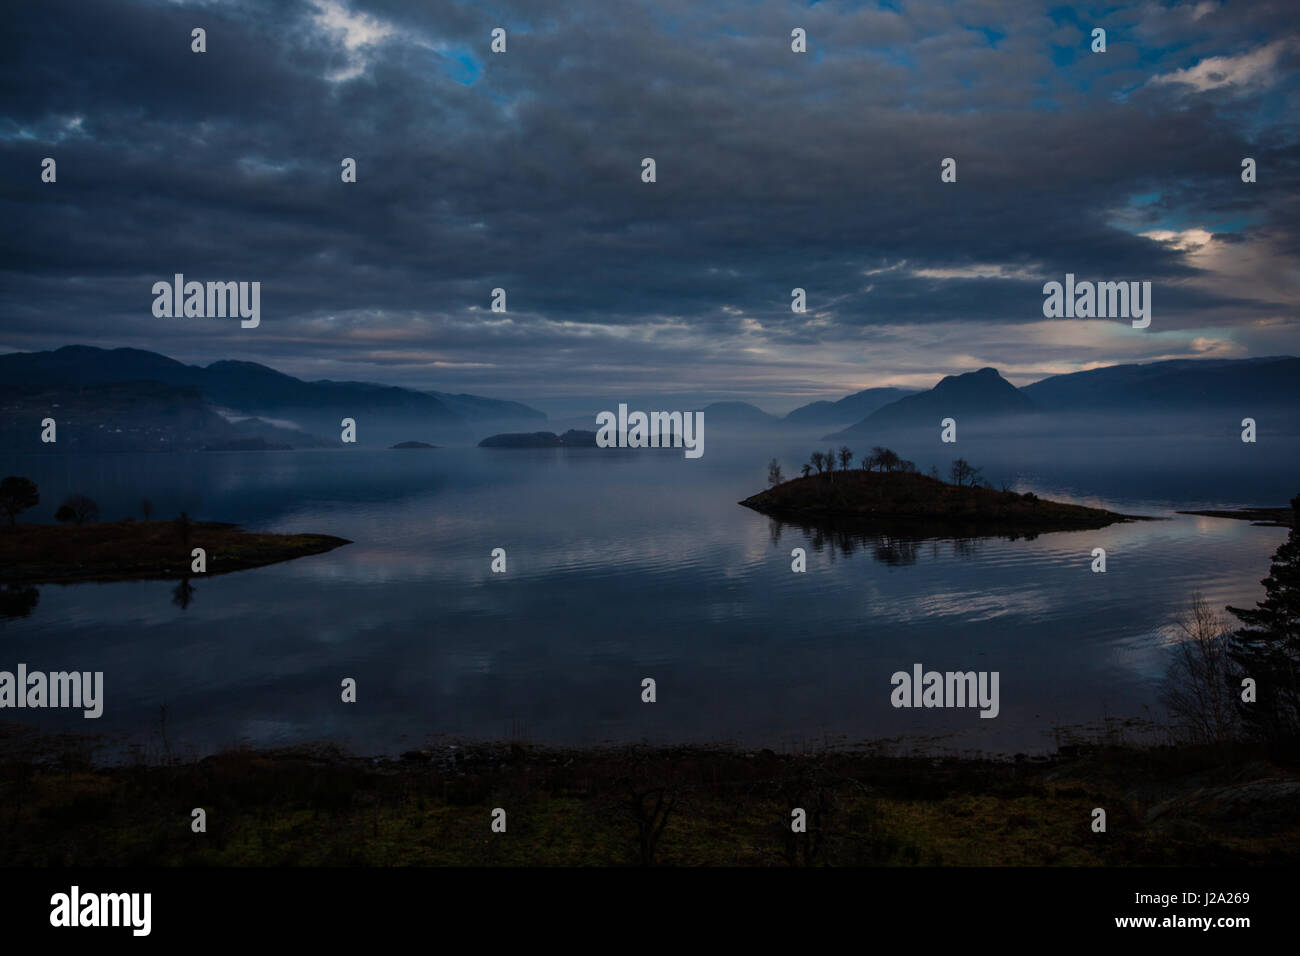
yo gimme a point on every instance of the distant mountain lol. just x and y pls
(1181, 384)
(253, 389)
(973, 396)
(132, 416)
(737, 413)
(475, 408)
(848, 410)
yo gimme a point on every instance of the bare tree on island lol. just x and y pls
(78, 509)
(774, 472)
(17, 494)
(818, 461)
(846, 457)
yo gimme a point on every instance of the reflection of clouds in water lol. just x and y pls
(975, 606)
(612, 570)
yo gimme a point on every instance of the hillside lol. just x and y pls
(1180, 384)
(847, 410)
(738, 413)
(253, 389)
(974, 396)
(132, 416)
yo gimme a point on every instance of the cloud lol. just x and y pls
(521, 171)
(1259, 67)
(357, 32)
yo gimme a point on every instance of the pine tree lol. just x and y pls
(1267, 648)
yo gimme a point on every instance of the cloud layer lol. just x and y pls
(775, 170)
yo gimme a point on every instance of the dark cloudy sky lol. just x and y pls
(775, 170)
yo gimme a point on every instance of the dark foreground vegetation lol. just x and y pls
(685, 806)
(126, 550)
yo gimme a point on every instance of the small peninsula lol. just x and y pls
(908, 502)
(1261, 517)
(135, 550)
(403, 445)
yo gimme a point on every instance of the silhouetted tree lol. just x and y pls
(807, 469)
(963, 472)
(78, 509)
(886, 458)
(1196, 690)
(830, 460)
(146, 508)
(183, 528)
(17, 494)
(773, 472)
(846, 457)
(818, 461)
(907, 467)
(1267, 648)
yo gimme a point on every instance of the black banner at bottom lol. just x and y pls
(333, 905)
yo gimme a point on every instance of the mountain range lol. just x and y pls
(129, 399)
(1228, 388)
(848, 410)
(242, 390)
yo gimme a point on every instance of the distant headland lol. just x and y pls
(133, 550)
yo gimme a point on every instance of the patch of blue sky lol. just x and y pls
(461, 65)
(994, 37)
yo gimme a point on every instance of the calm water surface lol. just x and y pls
(624, 565)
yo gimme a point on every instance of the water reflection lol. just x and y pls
(183, 593)
(896, 546)
(18, 600)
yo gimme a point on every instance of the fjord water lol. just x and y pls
(631, 564)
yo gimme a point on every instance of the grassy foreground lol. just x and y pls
(644, 805)
(126, 550)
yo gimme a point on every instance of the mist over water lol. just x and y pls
(626, 564)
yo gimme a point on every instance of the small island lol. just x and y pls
(891, 496)
(134, 550)
(412, 444)
(573, 438)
